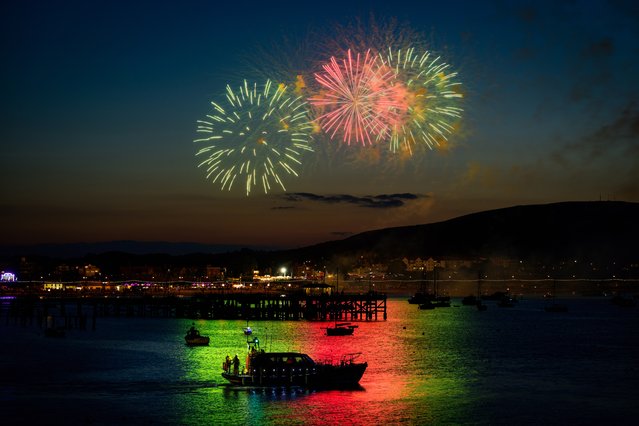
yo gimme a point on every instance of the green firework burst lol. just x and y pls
(257, 138)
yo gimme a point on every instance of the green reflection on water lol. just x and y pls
(440, 386)
(419, 370)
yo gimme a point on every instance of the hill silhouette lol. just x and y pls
(591, 230)
(596, 231)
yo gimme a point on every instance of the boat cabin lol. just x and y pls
(280, 360)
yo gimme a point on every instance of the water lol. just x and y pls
(453, 365)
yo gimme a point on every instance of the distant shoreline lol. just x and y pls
(529, 288)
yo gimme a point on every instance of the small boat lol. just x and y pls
(248, 330)
(194, 338)
(433, 301)
(418, 298)
(442, 302)
(427, 305)
(341, 329)
(437, 302)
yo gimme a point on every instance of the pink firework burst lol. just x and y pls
(358, 99)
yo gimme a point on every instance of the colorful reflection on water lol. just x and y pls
(410, 363)
(454, 365)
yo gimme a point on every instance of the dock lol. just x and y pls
(73, 311)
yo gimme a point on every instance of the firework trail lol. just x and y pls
(431, 94)
(257, 138)
(357, 99)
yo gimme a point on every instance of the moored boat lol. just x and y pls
(419, 298)
(437, 302)
(427, 305)
(442, 302)
(194, 338)
(248, 330)
(341, 329)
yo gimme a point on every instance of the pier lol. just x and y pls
(77, 312)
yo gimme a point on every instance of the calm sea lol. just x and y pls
(455, 365)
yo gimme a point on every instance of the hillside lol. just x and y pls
(592, 230)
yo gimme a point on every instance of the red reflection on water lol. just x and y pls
(383, 387)
(411, 360)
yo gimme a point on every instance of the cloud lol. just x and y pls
(382, 201)
(614, 145)
(620, 133)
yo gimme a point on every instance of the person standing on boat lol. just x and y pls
(193, 331)
(236, 365)
(227, 363)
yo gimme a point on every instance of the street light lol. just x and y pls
(283, 271)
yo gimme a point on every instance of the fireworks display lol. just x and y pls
(258, 138)
(431, 96)
(396, 98)
(357, 99)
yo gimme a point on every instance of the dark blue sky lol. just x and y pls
(100, 101)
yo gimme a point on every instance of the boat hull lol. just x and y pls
(322, 377)
(197, 341)
(339, 331)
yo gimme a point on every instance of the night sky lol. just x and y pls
(101, 98)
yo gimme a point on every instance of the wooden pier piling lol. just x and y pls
(369, 306)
